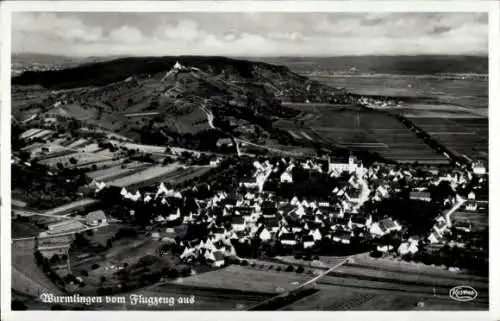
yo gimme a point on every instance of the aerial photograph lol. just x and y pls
(244, 161)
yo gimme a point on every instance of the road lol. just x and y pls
(448, 214)
(210, 116)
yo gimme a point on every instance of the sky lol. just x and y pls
(249, 34)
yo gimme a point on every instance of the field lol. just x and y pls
(478, 220)
(372, 131)
(466, 93)
(116, 172)
(246, 279)
(27, 277)
(463, 136)
(155, 173)
(205, 299)
(173, 174)
(70, 207)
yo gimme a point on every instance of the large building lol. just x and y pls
(353, 165)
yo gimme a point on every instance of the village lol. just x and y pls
(226, 222)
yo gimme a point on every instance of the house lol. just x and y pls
(226, 142)
(360, 221)
(384, 227)
(238, 223)
(286, 177)
(316, 234)
(384, 248)
(268, 212)
(308, 241)
(478, 168)
(434, 237)
(420, 196)
(440, 226)
(288, 239)
(341, 236)
(464, 227)
(214, 161)
(471, 206)
(218, 259)
(471, 196)
(159, 218)
(188, 252)
(174, 215)
(408, 248)
(218, 232)
(272, 223)
(95, 218)
(265, 235)
(323, 204)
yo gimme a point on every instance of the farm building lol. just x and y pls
(478, 168)
(384, 227)
(224, 142)
(65, 227)
(96, 218)
(420, 196)
(408, 248)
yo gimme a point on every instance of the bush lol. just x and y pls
(298, 256)
(300, 269)
(173, 274)
(244, 263)
(289, 269)
(278, 268)
(94, 266)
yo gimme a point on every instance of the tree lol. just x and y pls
(73, 161)
(103, 279)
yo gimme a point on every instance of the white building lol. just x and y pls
(286, 177)
(352, 166)
(96, 218)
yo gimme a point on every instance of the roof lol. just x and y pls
(222, 141)
(308, 238)
(359, 219)
(237, 220)
(386, 224)
(244, 209)
(287, 236)
(96, 215)
(271, 221)
(219, 256)
(420, 194)
(342, 234)
(440, 224)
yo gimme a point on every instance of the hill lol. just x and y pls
(401, 65)
(160, 99)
